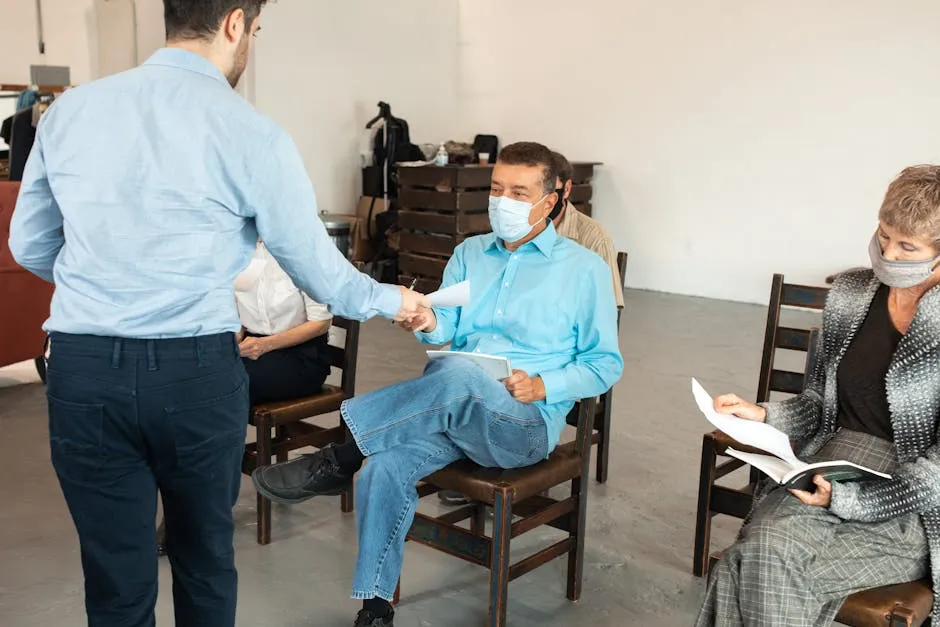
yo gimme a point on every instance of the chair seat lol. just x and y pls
(870, 607)
(480, 483)
(329, 400)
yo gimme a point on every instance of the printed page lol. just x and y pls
(773, 467)
(756, 434)
(457, 295)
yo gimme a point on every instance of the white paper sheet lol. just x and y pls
(457, 295)
(250, 275)
(756, 434)
(497, 367)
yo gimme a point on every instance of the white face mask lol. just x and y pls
(509, 218)
(900, 274)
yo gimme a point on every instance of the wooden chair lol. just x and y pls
(280, 426)
(907, 604)
(514, 493)
(601, 432)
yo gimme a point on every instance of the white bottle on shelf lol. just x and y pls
(441, 159)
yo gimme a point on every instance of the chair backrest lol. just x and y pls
(346, 356)
(812, 352)
(776, 336)
(622, 266)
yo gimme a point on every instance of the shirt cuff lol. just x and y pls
(556, 386)
(435, 337)
(388, 300)
(844, 500)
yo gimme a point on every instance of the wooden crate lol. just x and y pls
(446, 179)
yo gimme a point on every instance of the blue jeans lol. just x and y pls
(127, 417)
(414, 428)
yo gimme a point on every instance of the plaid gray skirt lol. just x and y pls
(794, 564)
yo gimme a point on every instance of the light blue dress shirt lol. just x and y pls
(143, 198)
(548, 307)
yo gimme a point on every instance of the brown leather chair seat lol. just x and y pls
(284, 412)
(480, 484)
(901, 605)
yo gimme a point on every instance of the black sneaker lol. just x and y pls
(302, 478)
(365, 618)
(452, 498)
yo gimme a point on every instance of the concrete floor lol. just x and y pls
(638, 551)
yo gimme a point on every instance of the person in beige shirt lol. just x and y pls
(586, 231)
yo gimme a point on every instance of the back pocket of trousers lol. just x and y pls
(76, 432)
(205, 431)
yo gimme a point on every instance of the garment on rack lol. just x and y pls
(5, 130)
(27, 99)
(21, 142)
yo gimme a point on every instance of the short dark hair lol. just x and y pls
(563, 169)
(531, 154)
(200, 19)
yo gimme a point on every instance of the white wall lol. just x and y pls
(740, 137)
(320, 68)
(67, 26)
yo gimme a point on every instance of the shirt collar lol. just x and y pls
(544, 242)
(186, 60)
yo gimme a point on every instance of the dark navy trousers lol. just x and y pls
(128, 418)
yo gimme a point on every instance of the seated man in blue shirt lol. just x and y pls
(538, 299)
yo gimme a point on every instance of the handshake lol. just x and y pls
(415, 313)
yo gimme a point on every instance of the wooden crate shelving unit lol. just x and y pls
(443, 206)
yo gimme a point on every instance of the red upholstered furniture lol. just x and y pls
(24, 298)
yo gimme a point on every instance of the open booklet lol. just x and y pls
(494, 365)
(782, 465)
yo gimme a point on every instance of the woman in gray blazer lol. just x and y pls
(873, 398)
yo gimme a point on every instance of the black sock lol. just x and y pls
(349, 457)
(380, 608)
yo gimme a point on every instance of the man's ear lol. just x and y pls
(568, 187)
(233, 26)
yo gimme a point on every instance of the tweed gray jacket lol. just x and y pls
(913, 389)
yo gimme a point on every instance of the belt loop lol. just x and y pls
(151, 356)
(200, 352)
(116, 352)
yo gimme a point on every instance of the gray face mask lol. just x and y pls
(900, 274)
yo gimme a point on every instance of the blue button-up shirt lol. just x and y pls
(548, 307)
(143, 198)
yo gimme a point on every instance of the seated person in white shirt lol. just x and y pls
(284, 333)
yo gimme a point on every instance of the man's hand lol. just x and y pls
(410, 302)
(820, 498)
(424, 321)
(254, 347)
(240, 335)
(524, 388)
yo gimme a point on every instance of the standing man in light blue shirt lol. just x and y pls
(142, 200)
(536, 298)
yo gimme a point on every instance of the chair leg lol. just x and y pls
(499, 558)
(263, 436)
(478, 521)
(396, 598)
(703, 516)
(348, 502)
(578, 531)
(603, 445)
(280, 433)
